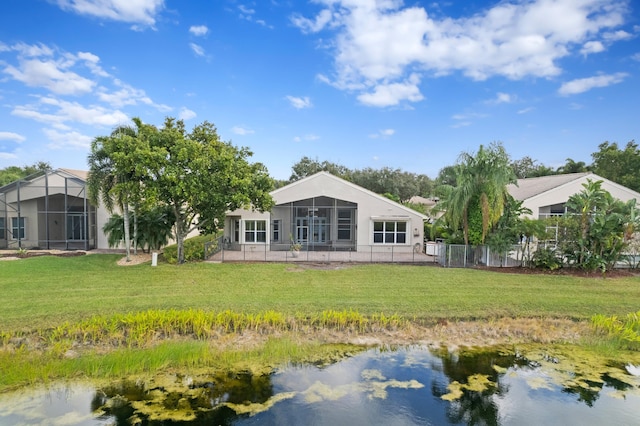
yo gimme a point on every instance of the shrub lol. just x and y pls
(546, 258)
(193, 249)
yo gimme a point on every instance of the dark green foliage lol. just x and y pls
(193, 249)
(154, 229)
(395, 184)
(599, 230)
(618, 165)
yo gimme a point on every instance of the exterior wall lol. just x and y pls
(29, 211)
(370, 208)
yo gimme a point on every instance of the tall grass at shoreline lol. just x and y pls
(624, 331)
(140, 329)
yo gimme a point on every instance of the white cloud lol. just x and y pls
(309, 137)
(501, 98)
(241, 131)
(7, 156)
(67, 140)
(51, 75)
(592, 47)
(382, 133)
(186, 114)
(526, 110)
(199, 30)
(376, 45)
(617, 35)
(58, 112)
(461, 124)
(197, 49)
(312, 25)
(142, 12)
(300, 103)
(10, 136)
(391, 94)
(582, 85)
(246, 10)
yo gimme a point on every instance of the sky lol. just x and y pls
(362, 83)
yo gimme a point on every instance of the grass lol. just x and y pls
(60, 303)
(44, 292)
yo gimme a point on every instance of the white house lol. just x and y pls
(547, 195)
(50, 210)
(323, 212)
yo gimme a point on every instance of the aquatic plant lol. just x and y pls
(624, 331)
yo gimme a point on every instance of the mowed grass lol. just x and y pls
(42, 292)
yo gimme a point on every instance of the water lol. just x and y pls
(405, 386)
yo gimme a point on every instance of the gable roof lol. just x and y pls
(530, 187)
(326, 184)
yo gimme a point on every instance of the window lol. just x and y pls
(276, 225)
(17, 228)
(2, 228)
(344, 225)
(255, 231)
(389, 232)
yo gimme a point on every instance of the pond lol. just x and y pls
(391, 386)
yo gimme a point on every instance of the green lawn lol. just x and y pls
(44, 291)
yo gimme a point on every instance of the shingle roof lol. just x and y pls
(530, 187)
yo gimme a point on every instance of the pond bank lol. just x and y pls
(32, 359)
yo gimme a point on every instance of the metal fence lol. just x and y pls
(233, 252)
(464, 256)
(447, 255)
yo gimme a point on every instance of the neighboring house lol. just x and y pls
(323, 212)
(547, 195)
(50, 210)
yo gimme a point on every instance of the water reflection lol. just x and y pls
(403, 386)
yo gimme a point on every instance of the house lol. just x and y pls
(323, 212)
(50, 210)
(547, 195)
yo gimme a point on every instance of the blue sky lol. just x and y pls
(362, 83)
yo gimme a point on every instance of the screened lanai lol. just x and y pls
(47, 210)
(317, 223)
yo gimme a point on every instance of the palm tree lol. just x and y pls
(478, 199)
(102, 184)
(111, 179)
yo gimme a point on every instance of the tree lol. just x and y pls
(111, 174)
(599, 230)
(620, 166)
(14, 173)
(572, 167)
(154, 228)
(197, 175)
(526, 167)
(307, 167)
(478, 199)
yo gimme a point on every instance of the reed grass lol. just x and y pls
(622, 331)
(140, 329)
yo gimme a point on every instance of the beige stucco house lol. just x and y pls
(547, 195)
(50, 210)
(323, 212)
